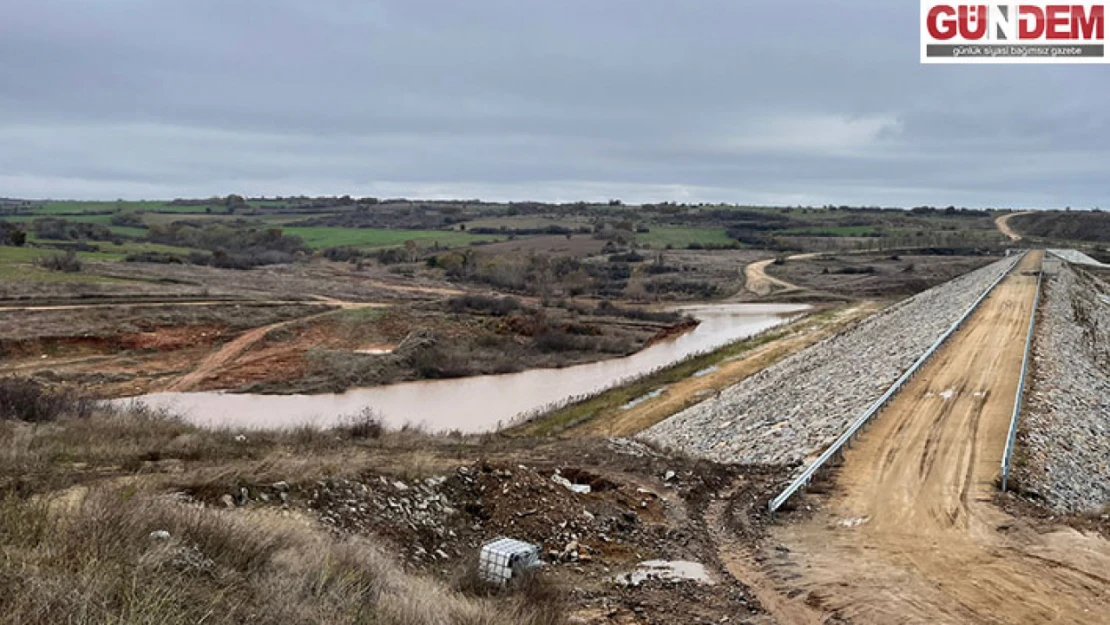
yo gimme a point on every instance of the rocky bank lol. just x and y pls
(791, 411)
(1064, 436)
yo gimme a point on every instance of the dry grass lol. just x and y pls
(80, 497)
(38, 458)
(99, 563)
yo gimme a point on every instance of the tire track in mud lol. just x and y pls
(933, 441)
(973, 430)
(1098, 579)
(736, 557)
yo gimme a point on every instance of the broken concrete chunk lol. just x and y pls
(581, 489)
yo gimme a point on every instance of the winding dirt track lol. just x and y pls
(235, 348)
(1003, 225)
(758, 281)
(909, 533)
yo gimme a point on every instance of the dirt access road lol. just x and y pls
(908, 533)
(235, 348)
(1003, 225)
(758, 281)
(228, 352)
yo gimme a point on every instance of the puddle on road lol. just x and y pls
(669, 571)
(642, 398)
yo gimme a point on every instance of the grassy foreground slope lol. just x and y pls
(88, 533)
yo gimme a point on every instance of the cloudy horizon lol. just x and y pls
(809, 103)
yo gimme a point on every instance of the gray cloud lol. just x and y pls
(716, 100)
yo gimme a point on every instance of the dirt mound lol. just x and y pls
(641, 506)
(447, 517)
(166, 339)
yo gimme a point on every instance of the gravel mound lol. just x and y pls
(795, 409)
(1064, 436)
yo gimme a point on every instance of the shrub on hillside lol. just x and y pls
(155, 257)
(127, 220)
(67, 262)
(608, 309)
(12, 234)
(696, 289)
(365, 425)
(344, 254)
(233, 244)
(627, 257)
(497, 306)
(22, 399)
(854, 271)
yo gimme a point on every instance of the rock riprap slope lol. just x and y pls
(795, 409)
(1064, 437)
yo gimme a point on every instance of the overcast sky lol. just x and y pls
(747, 101)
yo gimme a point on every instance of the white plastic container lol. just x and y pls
(502, 559)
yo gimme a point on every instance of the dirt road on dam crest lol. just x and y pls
(908, 533)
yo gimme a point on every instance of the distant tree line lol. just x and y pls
(127, 220)
(232, 245)
(58, 229)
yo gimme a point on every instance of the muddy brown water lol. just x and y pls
(480, 403)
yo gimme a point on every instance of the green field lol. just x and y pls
(321, 237)
(158, 219)
(152, 219)
(528, 222)
(104, 220)
(80, 206)
(10, 254)
(108, 251)
(676, 236)
(17, 263)
(832, 231)
(16, 266)
(63, 207)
